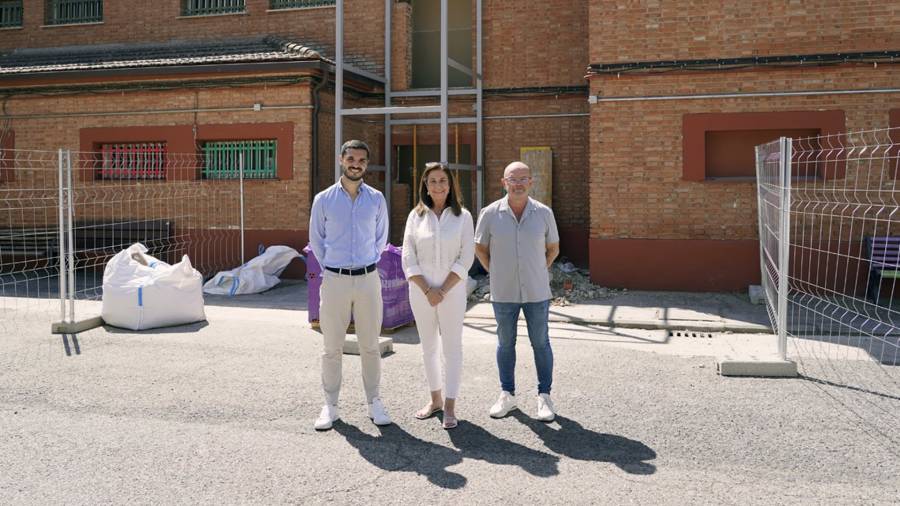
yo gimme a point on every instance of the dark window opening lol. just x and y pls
(211, 7)
(66, 12)
(732, 153)
(10, 13)
(426, 42)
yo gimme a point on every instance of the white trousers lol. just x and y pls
(340, 296)
(440, 331)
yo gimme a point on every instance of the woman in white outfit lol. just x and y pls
(438, 249)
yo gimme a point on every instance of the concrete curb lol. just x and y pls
(695, 325)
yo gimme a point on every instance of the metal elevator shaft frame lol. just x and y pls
(388, 110)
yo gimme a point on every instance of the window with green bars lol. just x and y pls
(298, 4)
(222, 159)
(210, 7)
(10, 13)
(65, 12)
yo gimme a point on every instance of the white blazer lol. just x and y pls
(434, 247)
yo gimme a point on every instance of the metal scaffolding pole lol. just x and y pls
(338, 85)
(479, 115)
(444, 97)
(388, 144)
(389, 109)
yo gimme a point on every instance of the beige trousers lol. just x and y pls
(340, 296)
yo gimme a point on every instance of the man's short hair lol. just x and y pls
(354, 144)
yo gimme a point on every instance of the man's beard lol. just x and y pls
(351, 177)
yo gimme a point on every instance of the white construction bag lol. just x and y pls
(141, 292)
(257, 275)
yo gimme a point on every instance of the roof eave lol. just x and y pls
(317, 66)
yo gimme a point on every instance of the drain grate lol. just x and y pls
(690, 333)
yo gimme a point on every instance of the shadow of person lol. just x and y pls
(477, 443)
(576, 442)
(397, 450)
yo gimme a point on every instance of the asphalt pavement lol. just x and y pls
(221, 412)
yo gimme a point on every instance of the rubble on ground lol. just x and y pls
(568, 285)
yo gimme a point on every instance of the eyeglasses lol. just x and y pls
(517, 180)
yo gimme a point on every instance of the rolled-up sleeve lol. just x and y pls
(317, 228)
(409, 258)
(466, 254)
(552, 232)
(483, 230)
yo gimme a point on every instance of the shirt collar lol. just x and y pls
(363, 188)
(504, 205)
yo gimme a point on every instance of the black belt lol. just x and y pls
(353, 272)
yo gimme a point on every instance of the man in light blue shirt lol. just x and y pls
(348, 229)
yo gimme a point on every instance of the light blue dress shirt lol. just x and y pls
(346, 233)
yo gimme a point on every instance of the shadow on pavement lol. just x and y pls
(398, 450)
(477, 443)
(174, 329)
(574, 441)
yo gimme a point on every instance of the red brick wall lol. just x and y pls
(401, 46)
(273, 208)
(536, 43)
(160, 20)
(636, 147)
(567, 138)
(655, 30)
(638, 188)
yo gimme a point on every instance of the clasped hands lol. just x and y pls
(434, 295)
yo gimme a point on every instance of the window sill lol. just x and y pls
(255, 180)
(20, 27)
(734, 179)
(752, 179)
(290, 9)
(63, 25)
(204, 16)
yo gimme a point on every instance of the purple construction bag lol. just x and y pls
(394, 287)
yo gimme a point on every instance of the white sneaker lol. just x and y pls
(545, 410)
(377, 413)
(505, 404)
(327, 417)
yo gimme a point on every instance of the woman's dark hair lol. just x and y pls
(425, 200)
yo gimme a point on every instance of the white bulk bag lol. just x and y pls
(141, 292)
(257, 275)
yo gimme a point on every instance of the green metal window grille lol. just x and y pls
(10, 13)
(210, 7)
(298, 4)
(64, 12)
(221, 160)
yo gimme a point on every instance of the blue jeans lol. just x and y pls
(537, 315)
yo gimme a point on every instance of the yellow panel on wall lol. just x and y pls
(540, 159)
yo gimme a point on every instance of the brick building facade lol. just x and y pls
(634, 197)
(662, 215)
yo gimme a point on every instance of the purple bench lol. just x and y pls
(883, 254)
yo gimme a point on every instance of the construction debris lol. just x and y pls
(568, 285)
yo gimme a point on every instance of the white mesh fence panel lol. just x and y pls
(161, 200)
(841, 315)
(69, 212)
(29, 241)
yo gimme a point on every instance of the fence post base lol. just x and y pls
(77, 326)
(774, 368)
(351, 345)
